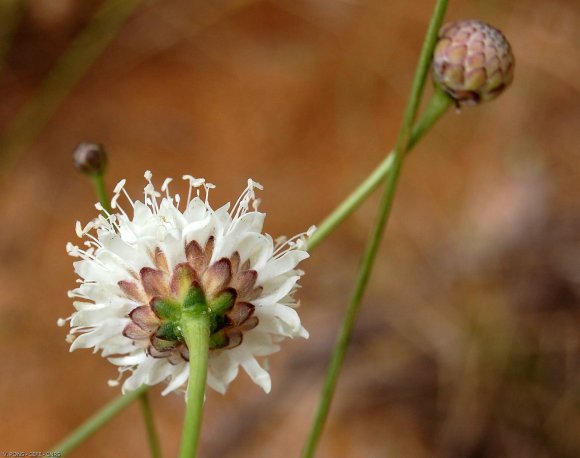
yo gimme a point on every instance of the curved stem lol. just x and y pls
(89, 427)
(437, 106)
(150, 425)
(404, 139)
(351, 312)
(195, 329)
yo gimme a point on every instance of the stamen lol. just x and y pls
(120, 188)
(76, 294)
(151, 192)
(207, 187)
(80, 231)
(129, 198)
(93, 241)
(115, 382)
(62, 321)
(298, 241)
(241, 206)
(110, 217)
(193, 183)
(120, 185)
(165, 187)
(118, 207)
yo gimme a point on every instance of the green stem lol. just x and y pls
(89, 427)
(401, 148)
(437, 107)
(195, 328)
(351, 312)
(63, 77)
(150, 425)
(420, 78)
(101, 191)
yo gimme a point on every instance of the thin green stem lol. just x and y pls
(351, 312)
(89, 427)
(152, 436)
(64, 76)
(420, 78)
(350, 204)
(195, 328)
(401, 148)
(101, 191)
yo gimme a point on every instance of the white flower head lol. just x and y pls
(137, 270)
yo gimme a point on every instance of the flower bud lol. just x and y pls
(473, 62)
(90, 158)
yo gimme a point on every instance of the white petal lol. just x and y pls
(287, 317)
(281, 265)
(178, 380)
(258, 375)
(223, 366)
(99, 335)
(130, 360)
(93, 317)
(274, 291)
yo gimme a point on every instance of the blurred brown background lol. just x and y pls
(468, 341)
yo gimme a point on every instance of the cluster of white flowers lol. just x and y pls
(133, 265)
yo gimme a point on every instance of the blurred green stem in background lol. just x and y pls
(440, 103)
(437, 107)
(150, 425)
(88, 428)
(22, 131)
(10, 15)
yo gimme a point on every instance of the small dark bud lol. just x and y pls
(90, 158)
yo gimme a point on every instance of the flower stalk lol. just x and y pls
(152, 437)
(98, 181)
(438, 107)
(93, 424)
(195, 326)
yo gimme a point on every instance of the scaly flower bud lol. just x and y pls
(473, 62)
(90, 158)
